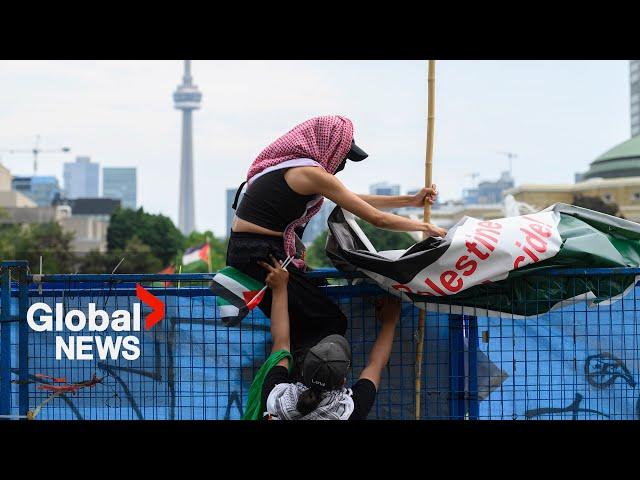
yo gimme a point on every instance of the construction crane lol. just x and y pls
(510, 156)
(474, 176)
(36, 150)
(470, 194)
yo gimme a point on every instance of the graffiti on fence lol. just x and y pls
(565, 363)
(573, 408)
(603, 369)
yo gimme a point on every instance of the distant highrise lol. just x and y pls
(120, 183)
(488, 192)
(81, 178)
(318, 222)
(187, 98)
(634, 90)
(231, 196)
(40, 189)
(384, 188)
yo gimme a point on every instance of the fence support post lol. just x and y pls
(23, 339)
(472, 335)
(456, 368)
(5, 341)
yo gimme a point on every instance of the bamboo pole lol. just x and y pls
(428, 164)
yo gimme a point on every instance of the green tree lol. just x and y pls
(97, 262)
(8, 234)
(138, 258)
(49, 241)
(385, 239)
(156, 231)
(381, 240)
(315, 256)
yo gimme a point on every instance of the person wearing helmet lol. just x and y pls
(321, 392)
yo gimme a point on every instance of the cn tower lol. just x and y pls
(186, 98)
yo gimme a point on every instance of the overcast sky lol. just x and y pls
(556, 115)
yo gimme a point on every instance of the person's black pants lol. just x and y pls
(312, 315)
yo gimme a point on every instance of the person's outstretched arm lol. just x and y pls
(426, 195)
(277, 280)
(316, 181)
(388, 310)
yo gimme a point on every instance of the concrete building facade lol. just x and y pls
(5, 179)
(624, 191)
(34, 214)
(634, 96)
(11, 199)
(89, 232)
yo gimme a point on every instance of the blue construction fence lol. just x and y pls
(579, 361)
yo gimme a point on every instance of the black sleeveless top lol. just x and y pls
(269, 202)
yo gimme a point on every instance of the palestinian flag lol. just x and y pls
(489, 267)
(234, 290)
(196, 259)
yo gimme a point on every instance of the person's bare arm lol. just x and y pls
(425, 195)
(316, 181)
(389, 313)
(277, 280)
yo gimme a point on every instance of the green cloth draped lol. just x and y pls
(254, 408)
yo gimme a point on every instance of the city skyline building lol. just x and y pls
(634, 96)
(186, 98)
(384, 188)
(488, 192)
(230, 196)
(81, 178)
(42, 189)
(120, 183)
(318, 223)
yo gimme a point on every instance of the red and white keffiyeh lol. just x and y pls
(326, 140)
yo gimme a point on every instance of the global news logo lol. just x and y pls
(41, 317)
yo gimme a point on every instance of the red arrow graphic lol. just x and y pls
(157, 306)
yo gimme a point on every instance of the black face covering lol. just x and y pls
(341, 166)
(355, 154)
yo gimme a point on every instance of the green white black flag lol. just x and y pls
(234, 290)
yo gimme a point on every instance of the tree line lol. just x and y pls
(147, 242)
